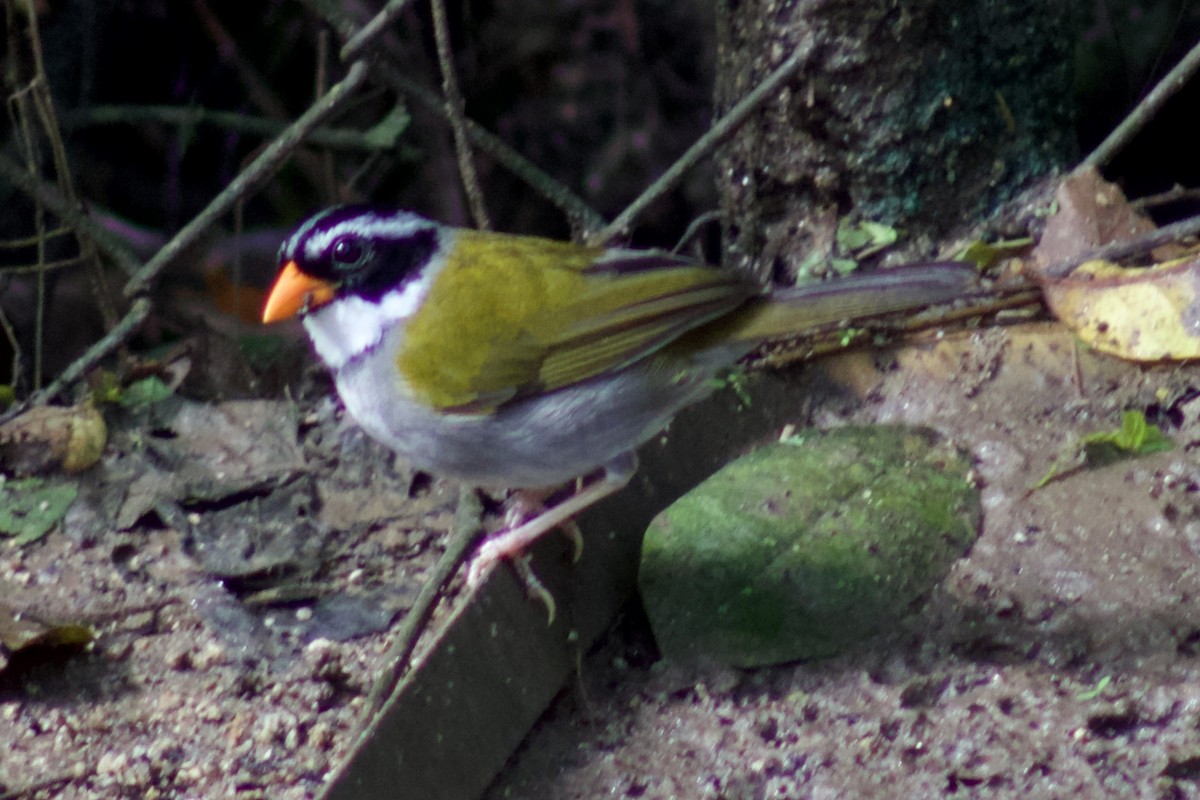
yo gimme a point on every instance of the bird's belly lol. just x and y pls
(540, 441)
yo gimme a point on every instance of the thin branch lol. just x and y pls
(571, 204)
(1145, 110)
(262, 167)
(1168, 234)
(112, 340)
(45, 267)
(715, 135)
(1176, 194)
(38, 92)
(456, 113)
(367, 33)
(31, 240)
(258, 88)
(258, 170)
(71, 215)
(693, 228)
(463, 535)
(14, 344)
(395, 77)
(335, 138)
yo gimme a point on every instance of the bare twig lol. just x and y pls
(456, 113)
(112, 340)
(10, 335)
(334, 138)
(257, 171)
(1144, 111)
(258, 88)
(720, 130)
(71, 215)
(1168, 234)
(571, 204)
(367, 33)
(465, 532)
(44, 267)
(1175, 194)
(693, 229)
(35, 100)
(29, 241)
(395, 78)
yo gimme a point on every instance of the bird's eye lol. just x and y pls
(347, 251)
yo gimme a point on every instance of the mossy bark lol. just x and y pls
(922, 114)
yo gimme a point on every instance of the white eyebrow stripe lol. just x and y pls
(366, 226)
(347, 328)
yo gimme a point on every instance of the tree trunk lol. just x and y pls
(923, 114)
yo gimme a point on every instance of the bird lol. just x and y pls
(521, 362)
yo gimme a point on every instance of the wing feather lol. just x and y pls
(562, 314)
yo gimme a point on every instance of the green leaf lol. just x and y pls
(1135, 437)
(849, 335)
(864, 238)
(810, 266)
(384, 133)
(804, 549)
(851, 237)
(1095, 691)
(879, 235)
(145, 392)
(843, 266)
(985, 254)
(104, 387)
(29, 508)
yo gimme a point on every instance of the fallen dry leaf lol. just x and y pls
(1091, 212)
(1141, 314)
(48, 438)
(22, 632)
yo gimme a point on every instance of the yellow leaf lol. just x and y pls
(1141, 314)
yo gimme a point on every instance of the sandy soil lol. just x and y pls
(239, 579)
(1059, 659)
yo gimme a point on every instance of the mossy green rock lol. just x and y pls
(805, 547)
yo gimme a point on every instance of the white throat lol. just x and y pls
(350, 326)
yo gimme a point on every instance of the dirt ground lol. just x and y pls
(1059, 659)
(240, 563)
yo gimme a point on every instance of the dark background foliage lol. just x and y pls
(601, 95)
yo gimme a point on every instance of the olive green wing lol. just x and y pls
(513, 316)
(632, 305)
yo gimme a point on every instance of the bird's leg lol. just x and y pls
(514, 540)
(525, 504)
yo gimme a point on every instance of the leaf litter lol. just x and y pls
(232, 614)
(1056, 658)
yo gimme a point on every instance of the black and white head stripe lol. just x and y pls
(365, 251)
(382, 263)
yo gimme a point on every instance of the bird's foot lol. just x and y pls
(512, 542)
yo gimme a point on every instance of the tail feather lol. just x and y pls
(788, 311)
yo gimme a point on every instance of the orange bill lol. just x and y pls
(294, 292)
